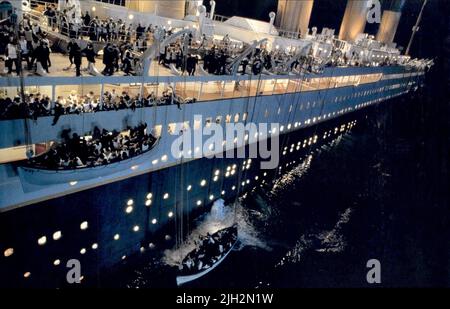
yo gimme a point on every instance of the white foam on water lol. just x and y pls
(323, 242)
(247, 233)
(291, 176)
(221, 217)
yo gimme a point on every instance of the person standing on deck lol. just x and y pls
(77, 59)
(12, 57)
(71, 48)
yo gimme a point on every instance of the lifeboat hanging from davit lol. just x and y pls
(37, 171)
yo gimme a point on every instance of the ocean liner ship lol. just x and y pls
(104, 209)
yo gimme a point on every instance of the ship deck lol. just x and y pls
(60, 63)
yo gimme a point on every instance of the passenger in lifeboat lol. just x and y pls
(125, 154)
(74, 109)
(78, 162)
(98, 147)
(145, 146)
(87, 107)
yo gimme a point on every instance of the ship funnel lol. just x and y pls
(390, 21)
(355, 18)
(294, 15)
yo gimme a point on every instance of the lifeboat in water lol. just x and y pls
(213, 250)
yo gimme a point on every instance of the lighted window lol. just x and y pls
(197, 124)
(154, 221)
(42, 241)
(148, 203)
(203, 183)
(84, 225)
(116, 237)
(149, 196)
(189, 188)
(211, 197)
(129, 209)
(199, 203)
(171, 128)
(130, 202)
(8, 252)
(166, 196)
(57, 235)
(216, 178)
(170, 214)
(136, 228)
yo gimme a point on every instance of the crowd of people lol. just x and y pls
(94, 28)
(40, 105)
(102, 148)
(29, 44)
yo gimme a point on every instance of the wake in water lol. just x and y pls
(284, 182)
(325, 241)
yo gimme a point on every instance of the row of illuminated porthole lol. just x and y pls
(362, 105)
(230, 171)
(174, 128)
(314, 139)
(327, 134)
(365, 93)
